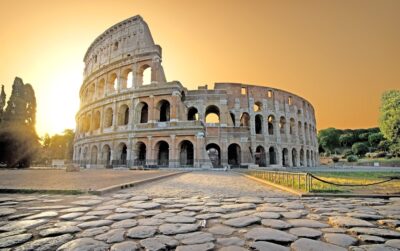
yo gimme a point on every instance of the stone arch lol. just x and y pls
(282, 124)
(164, 110)
(108, 118)
(112, 83)
(96, 120)
(245, 119)
(212, 114)
(186, 153)
(302, 157)
(85, 153)
(122, 153)
(285, 157)
(140, 152)
(234, 155)
(260, 156)
(257, 107)
(106, 155)
(308, 157)
(144, 75)
(93, 155)
(123, 115)
(259, 124)
(294, 157)
(127, 78)
(162, 150)
(193, 114)
(214, 153)
(272, 156)
(306, 132)
(88, 122)
(142, 112)
(292, 124)
(101, 86)
(271, 121)
(91, 92)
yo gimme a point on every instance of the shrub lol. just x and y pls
(348, 153)
(335, 159)
(375, 138)
(352, 158)
(359, 148)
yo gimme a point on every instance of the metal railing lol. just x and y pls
(294, 180)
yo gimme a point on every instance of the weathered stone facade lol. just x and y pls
(124, 121)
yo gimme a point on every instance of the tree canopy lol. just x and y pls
(18, 138)
(389, 121)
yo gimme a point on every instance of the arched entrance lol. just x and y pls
(164, 108)
(301, 157)
(186, 155)
(140, 149)
(106, 155)
(234, 155)
(285, 157)
(93, 156)
(214, 153)
(162, 154)
(294, 157)
(272, 156)
(260, 157)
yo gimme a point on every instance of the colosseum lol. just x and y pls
(130, 116)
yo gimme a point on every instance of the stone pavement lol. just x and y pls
(198, 211)
(86, 179)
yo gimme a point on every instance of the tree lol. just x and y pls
(347, 139)
(329, 138)
(18, 138)
(389, 121)
(359, 148)
(375, 138)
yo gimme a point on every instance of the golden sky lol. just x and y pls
(340, 55)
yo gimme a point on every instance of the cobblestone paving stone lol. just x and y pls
(198, 211)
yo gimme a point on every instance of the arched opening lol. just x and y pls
(234, 155)
(271, 124)
(108, 118)
(272, 156)
(306, 132)
(258, 124)
(291, 126)
(285, 157)
(308, 157)
(106, 155)
(301, 157)
(212, 114)
(245, 119)
(122, 154)
(140, 154)
(96, 120)
(123, 115)
(162, 153)
(164, 108)
(233, 118)
(91, 92)
(129, 80)
(101, 88)
(193, 114)
(214, 153)
(93, 156)
(146, 75)
(142, 113)
(112, 83)
(186, 156)
(257, 107)
(294, 157)
(88, 122)
(260, 157)
(282, 125)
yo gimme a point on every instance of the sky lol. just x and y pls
(340, 55)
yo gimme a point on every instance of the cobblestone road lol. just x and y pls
(198, 211)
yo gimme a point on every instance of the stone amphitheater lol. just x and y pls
(130, 116)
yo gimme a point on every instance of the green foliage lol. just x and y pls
(329, 138)
(389, 121)
(58, 146)
(359, 148)
(363, 136)
(347, 139)
(18, 139)
(348, 153)
(375, 138)
(352, 158)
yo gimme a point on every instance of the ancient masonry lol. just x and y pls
(125, 120)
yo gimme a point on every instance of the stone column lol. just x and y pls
(149, 151)
(172, 152)
(290, 159)
(115, 115)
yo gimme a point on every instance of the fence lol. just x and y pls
(294, 180)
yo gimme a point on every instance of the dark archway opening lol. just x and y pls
(214, 153)
(272, 156)
(234, 155)
(193, 114)
(260, 158)
(164, 111)
(186, 153)
(163, 154)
